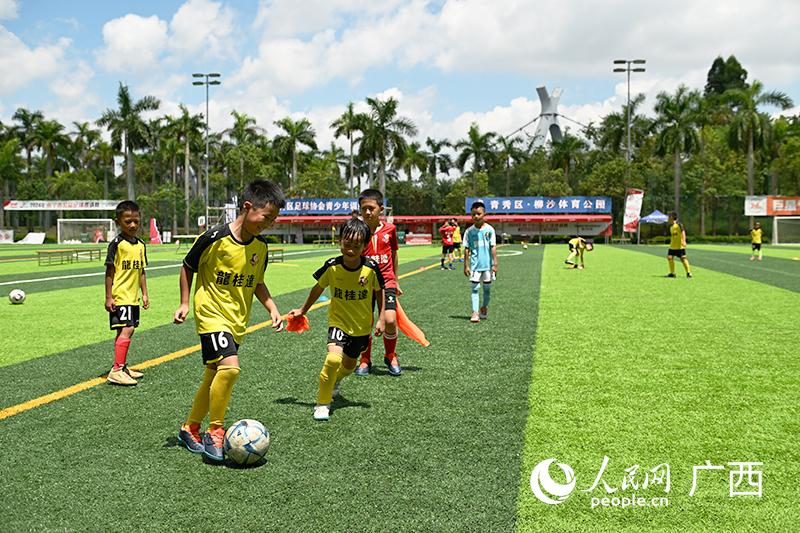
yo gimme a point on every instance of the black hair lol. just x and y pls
(261, 192)
(356, 229)
(674, 215)
(126, 205)
(478, 204)
(371, 194)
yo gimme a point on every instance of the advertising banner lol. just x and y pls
(61, 205)
(332, 206)
(633, 209)
(544, 204)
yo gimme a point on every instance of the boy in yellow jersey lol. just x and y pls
(677, 245)
(352, 278)
(125, 262)
(755, 238)
(576, 247)
(456, 240)
(229, 261)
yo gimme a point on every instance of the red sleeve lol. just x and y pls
(393, 238)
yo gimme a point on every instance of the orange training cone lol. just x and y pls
(408, 328)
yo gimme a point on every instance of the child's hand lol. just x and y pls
(180, 314)
(466, 270)
(277, 321)
(296, 312)
(380, 327)
(111, 306)
(397, 289)
(145, 301)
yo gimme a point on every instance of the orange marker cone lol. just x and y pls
(297, 324)
(408, 328)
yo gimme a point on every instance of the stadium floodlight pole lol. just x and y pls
(206, 83)
(628, 69)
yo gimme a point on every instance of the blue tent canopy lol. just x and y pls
(656, 217)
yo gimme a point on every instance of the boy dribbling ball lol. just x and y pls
(229, 261)
(352, 278)
(125, 262)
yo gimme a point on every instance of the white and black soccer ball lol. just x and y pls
(246, 442)
(16, 296)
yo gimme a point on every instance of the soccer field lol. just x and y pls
(612, 371)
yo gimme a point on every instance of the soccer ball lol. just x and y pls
(525, 246)
(246, 442)
(16, 296)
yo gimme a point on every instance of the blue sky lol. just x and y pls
(449, 62)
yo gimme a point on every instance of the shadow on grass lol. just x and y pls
(338, 403)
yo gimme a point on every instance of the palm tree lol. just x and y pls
(83, 140)
(384, 134)
(748, 125)
(47, 135)
(104, 153)
(414, 157)
(508, 150)
(187, 128)
(244, 131)
(677, 120)
(613, 131)
(478, 147)
(296, 132)
(10, 167)
(570, 149)
(349, 124)
(28, 121)
(128, 128)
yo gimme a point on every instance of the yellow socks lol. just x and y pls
(672, 266)
(344, 372)
(686, 266)
(200, 405)
(220, 394)
(327, 378)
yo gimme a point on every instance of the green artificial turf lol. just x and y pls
(648, 370)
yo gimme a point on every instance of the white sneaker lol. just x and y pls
(337, 387)
(322, 412)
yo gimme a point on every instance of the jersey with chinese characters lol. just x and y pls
(676, 237)
(480, 243)
(228, 272)
(457, 235)
(447, 235)
(128, 259)
(755, 235)
(351, 293)
(380, 248)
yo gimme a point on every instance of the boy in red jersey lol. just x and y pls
(382, 248)
(447, 232)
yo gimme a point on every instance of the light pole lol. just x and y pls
(206, 83)
(628, 69)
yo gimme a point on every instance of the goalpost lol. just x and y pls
(85, 230)
(786, 230)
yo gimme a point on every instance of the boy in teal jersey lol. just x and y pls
(480, 260)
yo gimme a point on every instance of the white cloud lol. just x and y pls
(133, 43)
(21, 64)
(201, 26)
(8, 9)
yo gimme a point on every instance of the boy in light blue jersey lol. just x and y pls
(480, 260)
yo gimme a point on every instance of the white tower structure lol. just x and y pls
(548, 120)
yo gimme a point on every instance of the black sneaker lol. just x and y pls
(670, 276)
(393, 364)
(190, 437)
(212, 447)
(568, 262)
(688, 275)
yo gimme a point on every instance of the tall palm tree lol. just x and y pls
(613, 131)
(749, 126)
(244, 131)
(297, 132)
(677, 117)
(47, 135)
(569, 150)
(127, 128)
(348, 124)
(27, 124)
(186, 128)
(414, 157)
(385, 133)
(508, 150)
(104, 153)
(476, 146)
(83, 140)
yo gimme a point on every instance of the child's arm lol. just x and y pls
(396, 277)
(145, 297)
(380, 326)
(186, 284)
(494, 260)
(263, 295)
(316, 292)
(683, 238)
(110, 304)
(466, 261)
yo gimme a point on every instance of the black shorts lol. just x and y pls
(389, 299)
(447, 248)
(217, 346)
(571, 247)
(124, 316)
(756, 246)
(352, 347)
(677, 253)
(456, 246)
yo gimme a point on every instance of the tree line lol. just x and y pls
(706, 144)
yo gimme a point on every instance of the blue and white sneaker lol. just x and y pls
(363, 369)
(322, 412)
